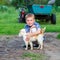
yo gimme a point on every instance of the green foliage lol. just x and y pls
(5, 2)
(58, 36)
(15, 2)
(2, 2)
(9, 22)
(18, 3)
(30, 2)
(10, 28)
(57, 3)
(3, 8)
(33, 56)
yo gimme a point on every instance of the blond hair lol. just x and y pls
(30, 15)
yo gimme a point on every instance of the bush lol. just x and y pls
(3, 8)
(58, 36)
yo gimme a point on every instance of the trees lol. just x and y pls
(57, 3)
(24, 2)
(5, 2)
(36, 1)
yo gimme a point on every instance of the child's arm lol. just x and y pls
(33, 33)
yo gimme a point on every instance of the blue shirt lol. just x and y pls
(27, 27)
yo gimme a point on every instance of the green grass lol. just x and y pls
(33, 56)
(58, 36)
(9, 16)
(10, 28)
(9, 22)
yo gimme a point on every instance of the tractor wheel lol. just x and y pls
(53, 19)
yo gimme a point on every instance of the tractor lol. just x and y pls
(41, 12)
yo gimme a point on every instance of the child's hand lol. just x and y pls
(33, 26)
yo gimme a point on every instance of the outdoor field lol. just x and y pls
(9, 22)
(12, 46)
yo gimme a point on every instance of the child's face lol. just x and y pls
(30, 21)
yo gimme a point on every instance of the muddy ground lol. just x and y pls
(11, 47)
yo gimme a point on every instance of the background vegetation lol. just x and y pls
(9, 22)
(34, 56)
(18, 3)
(9, 16)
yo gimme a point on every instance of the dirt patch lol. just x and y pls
(11, 47)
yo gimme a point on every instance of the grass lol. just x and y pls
(9, 16)
(9, 23)
(33, 56)
(58, 36)
(10, 28)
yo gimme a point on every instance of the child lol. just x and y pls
(30, 23)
